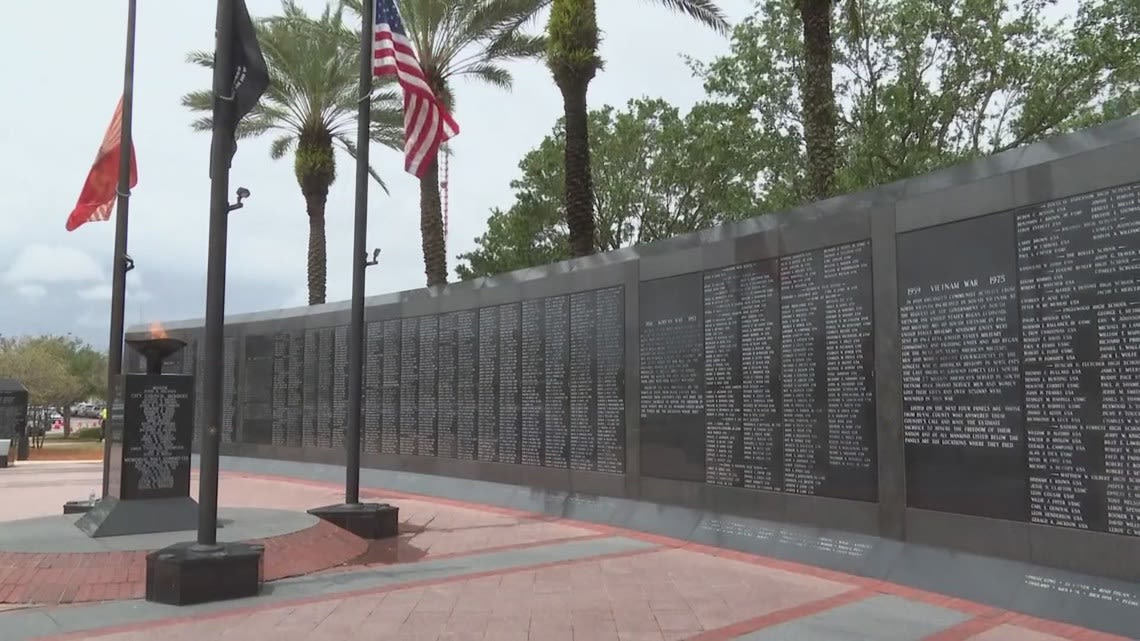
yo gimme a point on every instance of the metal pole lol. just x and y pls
(356, 328)
(220, 153)
(119, 268)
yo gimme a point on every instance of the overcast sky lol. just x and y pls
(62, 70)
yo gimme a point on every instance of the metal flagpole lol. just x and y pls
(119, 268)
(220, 151)
(359, 262)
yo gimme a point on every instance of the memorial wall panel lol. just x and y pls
(256, 392)
(467, 384)
(742, 392)
(583, 405)
(373, 395)
(230, 433)
(961, 384)
(409, 385)
(609, 380)
(488, 382)
(509, 404)
(339, 419)
(390, 382)
(1078, 263)
(1020, 336)
(672, 378)
(827, 363)
(427, 386)
(448, 401)
(531, 381)
(310, 383)
(761, 375)
(555, 390)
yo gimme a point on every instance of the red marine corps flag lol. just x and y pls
(98, 195)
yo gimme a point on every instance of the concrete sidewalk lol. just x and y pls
(466, 572)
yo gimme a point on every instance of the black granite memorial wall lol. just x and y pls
(949, 360)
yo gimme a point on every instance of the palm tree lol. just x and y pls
(311, 105)
(818, 91)
(454, 39)
(572, 54)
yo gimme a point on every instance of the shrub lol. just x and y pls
(87, 434)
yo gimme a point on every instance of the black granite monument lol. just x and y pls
(13, 419)
(150, 427)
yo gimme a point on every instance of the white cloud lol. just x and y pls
(31, 291)
(42, 263)
(96, 292)
(102, 292)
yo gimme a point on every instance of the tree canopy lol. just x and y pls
(662, 174)
(56, 370)
(919, 85)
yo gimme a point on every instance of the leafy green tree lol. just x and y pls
(311, 106)
(663, 175)
(923, 85)
(57, 370)
(460, 39)
(572, 54)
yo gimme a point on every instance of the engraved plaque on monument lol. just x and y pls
(672, 378)
(150, 426)
(958, 321)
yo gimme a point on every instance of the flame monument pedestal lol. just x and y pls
(150, 426)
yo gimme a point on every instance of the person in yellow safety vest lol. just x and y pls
(102, 423)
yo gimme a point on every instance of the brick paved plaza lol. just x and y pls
(465, 572)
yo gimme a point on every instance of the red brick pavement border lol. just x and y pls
(105, 576)
(989, 616)
(300, 601)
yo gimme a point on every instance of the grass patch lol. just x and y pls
(58, 449)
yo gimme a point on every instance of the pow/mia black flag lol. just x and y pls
(251, 76)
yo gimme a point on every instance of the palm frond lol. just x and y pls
(704, 11)
(281, 146)
(350, 148)
(313, 63)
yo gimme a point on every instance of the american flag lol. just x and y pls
(427, 124)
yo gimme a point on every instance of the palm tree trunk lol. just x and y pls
(579, 195)
(818, 97)
(431, 227)
(315, 205)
